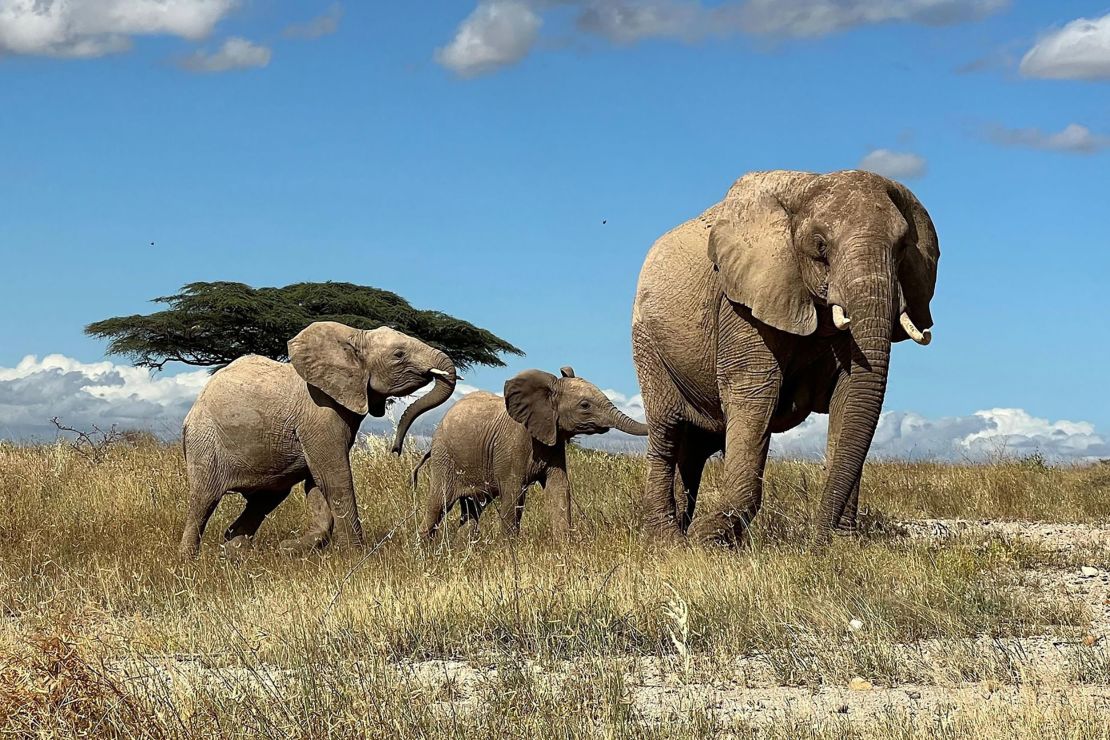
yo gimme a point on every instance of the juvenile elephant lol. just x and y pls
(260, 427)
(488, 447)
(780, 301)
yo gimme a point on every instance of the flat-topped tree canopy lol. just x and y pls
(211, 324)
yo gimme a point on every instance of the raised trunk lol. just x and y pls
(871, 309)
(444, 387)
(627, 424)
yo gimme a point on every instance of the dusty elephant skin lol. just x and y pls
(260, 427)
(488, 447)
(778, 302)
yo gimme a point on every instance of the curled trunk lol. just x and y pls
(627, 424)
(872, 321)
(444, 387)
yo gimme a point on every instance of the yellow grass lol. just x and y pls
(106, 633)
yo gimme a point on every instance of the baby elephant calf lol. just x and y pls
(488, 447)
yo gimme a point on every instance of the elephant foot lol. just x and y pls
(236, 548)
(847, 528)
(721, 530)
(304, 544)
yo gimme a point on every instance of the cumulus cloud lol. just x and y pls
(235, 53)
(1073, 138)
(500, 33)
(897, 165)
(318, 27)
(1078, 51)
(104, 394)
(497, 34)
(92, 28)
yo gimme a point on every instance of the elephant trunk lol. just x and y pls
(627, 424)
(871, 310)
(444, 386)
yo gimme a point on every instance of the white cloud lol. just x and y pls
(1073, 138)
(235, 53)
(1078, 51)
(105, 394)
(92, 28)
(318, 27)
(497, 34)
(500, 33)
(897, 165)
(812, 18)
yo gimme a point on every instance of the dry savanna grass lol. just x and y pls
(105, 633)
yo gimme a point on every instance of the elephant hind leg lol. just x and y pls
(441, 496)
(319, 522)
(258, 506)
(205, 494)
(695, 449)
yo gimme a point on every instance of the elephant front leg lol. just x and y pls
(331, 469)
(749, 395)
(318, 525)
(557, 491)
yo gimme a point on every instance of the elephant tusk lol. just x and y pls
(443, 374)
(839, 319)
(921, 337)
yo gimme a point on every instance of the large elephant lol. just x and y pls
(488, 447)
(780, 301)
(260, 427)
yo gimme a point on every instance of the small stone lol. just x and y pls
(913, 694)
(990, 686)
(1088, 572)
(855, 625)
(842, 709)
(859, 684)
(1090, 640)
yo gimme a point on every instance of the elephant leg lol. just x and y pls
(318, 524)
(660, 516)
(848, 523)
(440, 497)
(330, 467)
(258, 506)
(205, 494)
(695, 450)
(511, 507)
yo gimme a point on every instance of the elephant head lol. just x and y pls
(849, 251)
(361, 369)
(556, 409)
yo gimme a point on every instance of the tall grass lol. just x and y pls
(103, 624)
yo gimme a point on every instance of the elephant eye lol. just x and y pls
(399, 353)
(584, 405)
(820, 245)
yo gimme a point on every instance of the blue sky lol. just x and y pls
(465, 155)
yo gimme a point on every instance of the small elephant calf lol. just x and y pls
(489, 447)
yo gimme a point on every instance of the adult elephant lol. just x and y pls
(260, 427)
(780, 301)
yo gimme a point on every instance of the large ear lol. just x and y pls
(918, 272)
(751, 246)
(566, 371)
(327, 356)
(530, 400)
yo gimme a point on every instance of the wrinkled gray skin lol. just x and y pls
(736, 335)
(489, 447)
(260, 427)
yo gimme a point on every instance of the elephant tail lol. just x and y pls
(420, 465)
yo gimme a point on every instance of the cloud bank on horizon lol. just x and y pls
(106, 394)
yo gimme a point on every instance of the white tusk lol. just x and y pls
(839, 319)
(921, 337)
(442, 373)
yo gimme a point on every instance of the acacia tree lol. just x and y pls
(211, 324)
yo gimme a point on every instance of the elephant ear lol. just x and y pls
(917, 274)
(327, 355)
(566, 371)
(751, 246)
(530, 400)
